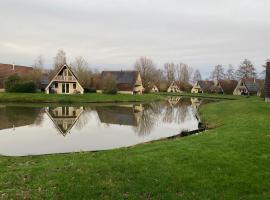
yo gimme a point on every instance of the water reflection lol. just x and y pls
(64, 117)
(93, 127)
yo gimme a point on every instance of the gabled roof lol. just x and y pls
(206, 86)
(251, 85)
(121, 76)
(60, 69)
(228, 86)
(6, 70)
(125, 80)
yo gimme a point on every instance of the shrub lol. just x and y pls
(15, 83)
(109, 85)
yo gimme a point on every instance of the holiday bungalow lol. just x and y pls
(6, 70)
(127, 82)
(154, 89)
(224, 86)
(249, 86)
(173, 87)
(203, 87)
(64, 82)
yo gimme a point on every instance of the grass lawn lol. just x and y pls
(85, 98)
(231, 161)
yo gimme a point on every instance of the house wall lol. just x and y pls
(71, 90)
(173, 88)
(196, 89)
(240, 89)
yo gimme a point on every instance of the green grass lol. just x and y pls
(85, 98)
(231, 161)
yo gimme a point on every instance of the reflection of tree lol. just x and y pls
(15, 116)
(148, 117)
(177, 112)
(84, 118)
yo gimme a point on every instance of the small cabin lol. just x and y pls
(64, 82)
(203, 87)
(154, 89)
(173, 88)
(127, 82)
(247, 86)
(224, 86)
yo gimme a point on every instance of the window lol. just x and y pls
(56, 85)
(74, 86)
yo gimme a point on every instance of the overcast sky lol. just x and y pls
(112, 34)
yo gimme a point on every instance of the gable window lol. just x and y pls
(56, 85)
(74, 86)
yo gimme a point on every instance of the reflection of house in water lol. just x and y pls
(174, 100)
(17, 116)
(123, 115)
(195, 102)
(64, 117)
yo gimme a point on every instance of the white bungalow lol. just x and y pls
(64, 82)
(173, 88)
(154, 89)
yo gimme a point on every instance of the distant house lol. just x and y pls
(7, 70)
(267, 82)
(248, 86)
(154, 89)
(64, 82)
(203, 87)
(127, 82)
(224, 86)
(173, 87)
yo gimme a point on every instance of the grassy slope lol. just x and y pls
(229, 162)
(85, 98)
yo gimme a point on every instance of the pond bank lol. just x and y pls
(228, 162)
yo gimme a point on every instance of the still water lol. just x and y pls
(34, 130)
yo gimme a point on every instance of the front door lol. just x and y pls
(65, 88)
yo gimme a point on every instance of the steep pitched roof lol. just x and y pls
(125, 80)
(7, 70)
(251, 85)
(60, 69)
(206, 86)
(228, 86)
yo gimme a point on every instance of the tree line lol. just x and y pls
(180, 72)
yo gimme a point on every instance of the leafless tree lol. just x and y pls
(217, 73)
(246, 70)
(170, 70)
(82, 71)
(147, 70)
(196, 76)
(36, 74)
(230, 74)
(60, 59)
(183, 73)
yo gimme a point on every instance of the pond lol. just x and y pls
(35, 130)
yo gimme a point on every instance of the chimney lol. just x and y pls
(13, 66)
(267, 81)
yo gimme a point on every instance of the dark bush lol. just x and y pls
(16, 84)
(109, 85)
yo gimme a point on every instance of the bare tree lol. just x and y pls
(246, 70)
(36, 74)
(196, 76)
(230, 74)
(60, 59)
(82, 71)
(147, 70)
(184, 72)
(217, 73)
(169, 69)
